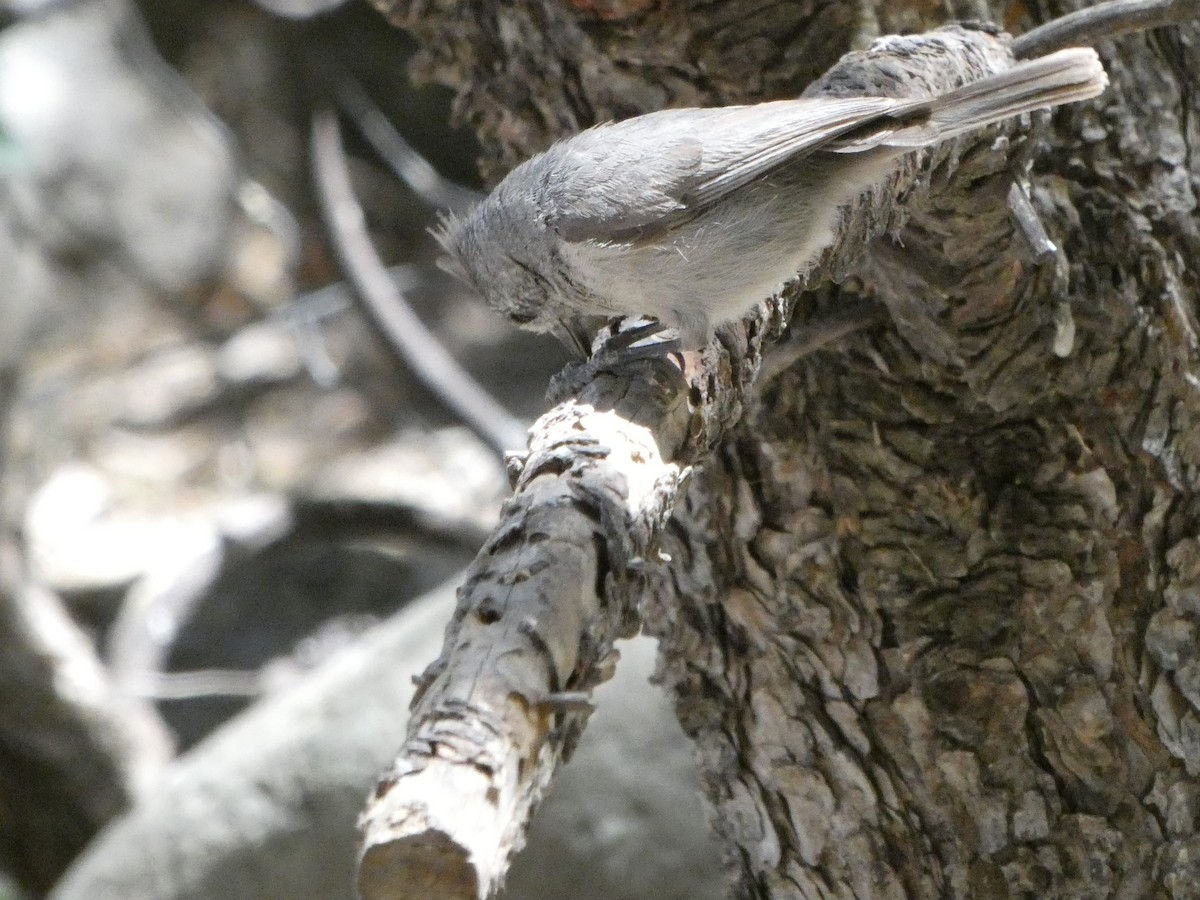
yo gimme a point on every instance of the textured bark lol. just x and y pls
(931, 609)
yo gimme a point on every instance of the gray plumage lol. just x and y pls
(695, 216)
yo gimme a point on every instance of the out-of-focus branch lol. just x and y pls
(390, 311)
(73, 752)
(412, 168)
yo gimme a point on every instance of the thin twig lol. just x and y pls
(197, 684)
(1087, 26)
(386, 305)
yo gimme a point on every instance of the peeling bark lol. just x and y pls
(533, 632)
(930, 604)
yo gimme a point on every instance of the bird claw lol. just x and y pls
(628, 341)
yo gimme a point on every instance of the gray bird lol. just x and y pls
(695, 216)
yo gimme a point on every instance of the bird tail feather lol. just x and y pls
(1064, 77)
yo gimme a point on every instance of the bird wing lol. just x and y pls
(652, 173)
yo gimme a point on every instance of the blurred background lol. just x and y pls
(184, 365)
(218, 470)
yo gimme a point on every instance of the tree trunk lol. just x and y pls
(932, 607)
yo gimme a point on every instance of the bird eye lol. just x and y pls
(522, 318)
(529, 270)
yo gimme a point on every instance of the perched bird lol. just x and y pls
(695, 216)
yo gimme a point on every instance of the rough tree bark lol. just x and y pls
(930, 609)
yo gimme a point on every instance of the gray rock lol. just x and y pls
(265, 808)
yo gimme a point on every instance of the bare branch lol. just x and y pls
(536, 619)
